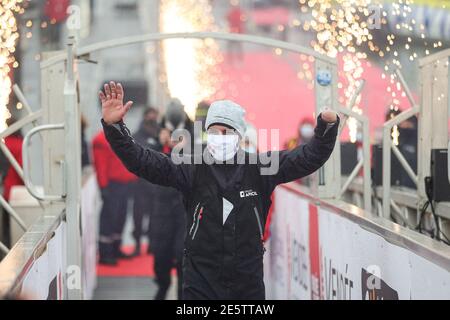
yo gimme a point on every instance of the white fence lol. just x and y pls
(335, 251)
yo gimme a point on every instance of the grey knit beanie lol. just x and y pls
(228, 113)
(175, 112)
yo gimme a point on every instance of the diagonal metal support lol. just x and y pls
(4, 248)
(352, 177)
(405, 164)
(12, 213)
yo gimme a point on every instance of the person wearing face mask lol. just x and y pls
(145, 193)
(167, 219)
(304, 135)
(162, 205)
(306, 131)
(176, 118)
(226, 203)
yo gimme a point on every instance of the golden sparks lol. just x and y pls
(9, 36)
(191, 66)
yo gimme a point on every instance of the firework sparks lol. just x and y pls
(8, 39)
(342, 30)
(190, 65)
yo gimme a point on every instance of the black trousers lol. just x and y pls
(211, 284)
(145, 202)
(201, 291)
(113, 217)
(167, 228)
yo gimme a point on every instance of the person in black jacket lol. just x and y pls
(226, 197)
(145, 193)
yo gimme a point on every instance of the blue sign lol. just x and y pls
(324, 78)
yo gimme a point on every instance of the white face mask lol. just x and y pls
(307, 131)
(223, 147)
(250, 149)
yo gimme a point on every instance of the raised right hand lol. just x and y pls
(113, 109)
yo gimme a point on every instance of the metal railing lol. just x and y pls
(364, 162)
(26, 165)
(70, 165)
(31, 118)
(388, 145)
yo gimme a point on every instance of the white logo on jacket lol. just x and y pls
(248, 193)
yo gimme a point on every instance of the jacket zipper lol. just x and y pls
(199, 217)
(194, 218)
(258, 219)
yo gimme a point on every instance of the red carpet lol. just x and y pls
(141, 266)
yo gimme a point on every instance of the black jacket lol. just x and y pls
(227, 208)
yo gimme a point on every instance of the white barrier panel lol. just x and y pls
(46, 278)
(316, 253)
(90, 207)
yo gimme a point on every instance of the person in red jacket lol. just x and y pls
(54, 15)
(115, 183)
(56, 10)
(236, 24)
(14, 144)
(11, 179)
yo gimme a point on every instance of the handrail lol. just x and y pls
(14, 268)
(31, 118)
(430, 249)
(26, 168)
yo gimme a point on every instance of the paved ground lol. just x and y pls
(129, 288)
(111, 288)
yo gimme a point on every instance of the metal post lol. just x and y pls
(73, 173)
(387, 156)
(433, 124)
(329, 176)
(52, 100)
(388, 146)
(366, 166)
(387, 142)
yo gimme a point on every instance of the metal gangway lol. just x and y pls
(60, 234)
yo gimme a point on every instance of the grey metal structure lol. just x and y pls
(388, 145)
(433, 115)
